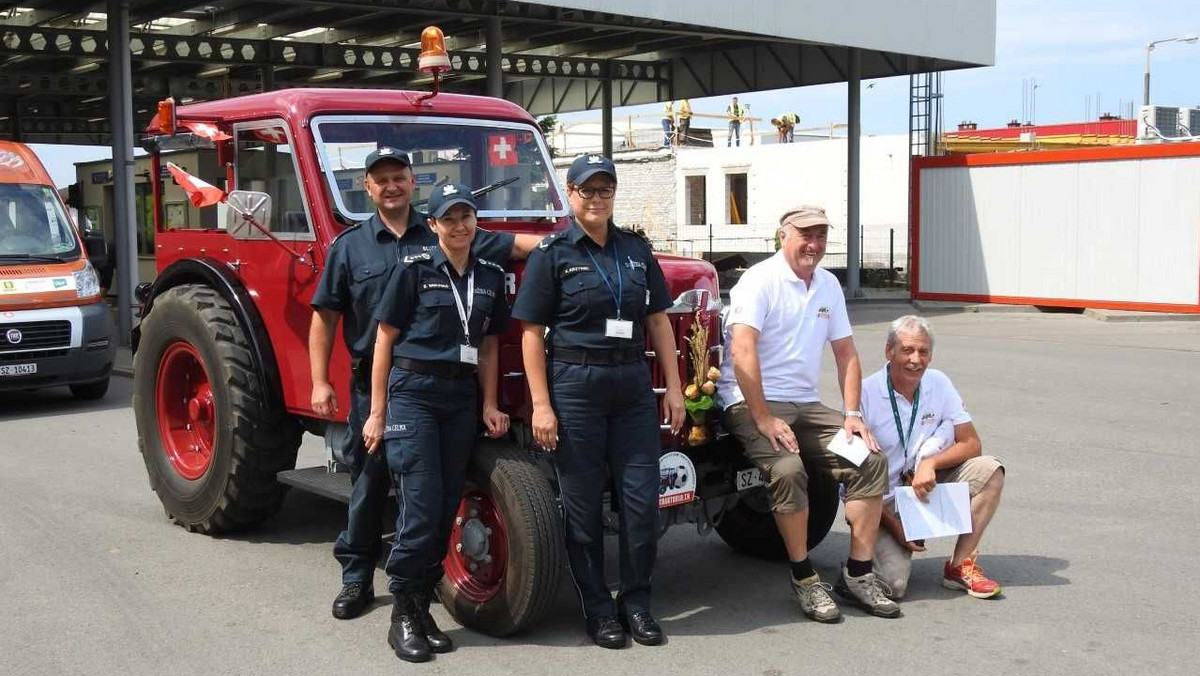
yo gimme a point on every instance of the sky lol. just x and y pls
(1074, 49)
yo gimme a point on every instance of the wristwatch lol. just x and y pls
(853, 414)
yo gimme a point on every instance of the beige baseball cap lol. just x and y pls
(804, 216)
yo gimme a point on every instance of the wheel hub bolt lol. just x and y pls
(458, 547)
(472, 567)
(458, 521)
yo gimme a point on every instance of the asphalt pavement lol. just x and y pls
(1095, 543)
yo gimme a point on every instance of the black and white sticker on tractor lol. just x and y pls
(677, 480)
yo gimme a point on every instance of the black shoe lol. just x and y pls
(606, 632)
(353, 600)
(642, 626)
(404, 637)
(439, 642)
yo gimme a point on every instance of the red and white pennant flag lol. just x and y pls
(200, 193)
(206, 130)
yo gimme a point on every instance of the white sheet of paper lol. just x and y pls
(947, 513)
(853, 449)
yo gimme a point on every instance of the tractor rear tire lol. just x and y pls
(211, 446)
(508, 492)
(749, 527)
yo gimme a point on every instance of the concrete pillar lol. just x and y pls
(495, 58)
(120, 96)
(606, 109)
(853, 227)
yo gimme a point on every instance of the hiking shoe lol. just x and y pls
(815, 600)
(969, 577)
(868, 592)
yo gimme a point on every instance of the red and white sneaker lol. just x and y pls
(969, 577)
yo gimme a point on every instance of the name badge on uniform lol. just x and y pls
(618, 328)
(468, 354)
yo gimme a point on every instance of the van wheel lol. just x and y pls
(506, 553)
(89, 391)
(211, 446)
(749, 527)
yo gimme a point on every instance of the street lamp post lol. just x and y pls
(1189, 39)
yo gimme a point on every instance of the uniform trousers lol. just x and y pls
(608, 424)
(359, 546)
(429, 438)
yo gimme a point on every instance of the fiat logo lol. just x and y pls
(14, 336)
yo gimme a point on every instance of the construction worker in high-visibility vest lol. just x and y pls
(785, 127)
(735, 112)
(684, 124)
(668, 123)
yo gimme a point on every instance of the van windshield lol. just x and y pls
(507, 161)
(33, 225)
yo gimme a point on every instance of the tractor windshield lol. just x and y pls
(33, 225)
(507, 158)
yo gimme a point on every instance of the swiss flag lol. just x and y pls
(200, 193)
(502, 149)
(206, 130)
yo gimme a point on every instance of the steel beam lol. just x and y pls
(854, 141)
(606, 105)
(121, 106)
(495, 47)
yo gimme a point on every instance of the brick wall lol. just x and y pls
(645, 193)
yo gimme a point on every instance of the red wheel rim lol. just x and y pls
(477, 559)
(186, 412)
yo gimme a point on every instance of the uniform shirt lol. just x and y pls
(789, 119)
(734, 111)
(939, 409)
(685, 110)
(418, 300)
(562, 288)
(669, 111)
(360, 260)
(794, 322)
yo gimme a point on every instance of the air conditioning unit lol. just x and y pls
(1163, 118)
(1189, 121)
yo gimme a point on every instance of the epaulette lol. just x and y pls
(485, 262)
(413, 258)
(551, 239)
(349, 229)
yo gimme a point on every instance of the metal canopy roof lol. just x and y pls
(54, 78)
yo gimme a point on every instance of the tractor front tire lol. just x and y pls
(749, 527)
(506, 553)
(211, 446)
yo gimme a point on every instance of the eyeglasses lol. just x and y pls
(605, 193)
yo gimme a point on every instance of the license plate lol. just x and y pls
(747, 478)
(18, 369)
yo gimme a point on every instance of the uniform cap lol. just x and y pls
(446, 196)
(587, 166)
(386, 153)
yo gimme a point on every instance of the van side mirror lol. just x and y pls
(243, 206)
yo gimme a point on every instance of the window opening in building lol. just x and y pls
(695, 192)
(736, 206)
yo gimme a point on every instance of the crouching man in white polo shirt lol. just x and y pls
(918, 418)
(782, 312)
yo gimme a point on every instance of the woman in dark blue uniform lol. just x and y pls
(600, 291)
(438, 324)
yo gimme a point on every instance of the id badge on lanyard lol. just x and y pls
(614, 328)
(467, 353)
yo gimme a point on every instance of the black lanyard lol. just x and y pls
(916, 402)
(619, 294)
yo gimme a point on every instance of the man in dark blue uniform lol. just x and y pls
(439, 322)
(600, 291)
(357, 266)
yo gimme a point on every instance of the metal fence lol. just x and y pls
(882, 247)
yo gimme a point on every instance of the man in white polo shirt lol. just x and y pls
(782, 312)
(918, 418)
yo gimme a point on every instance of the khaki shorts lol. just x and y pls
(786, 476)
(893, 561)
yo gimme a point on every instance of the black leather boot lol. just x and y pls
(405, 636)
(439, 642)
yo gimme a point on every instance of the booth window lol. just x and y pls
(697, 199)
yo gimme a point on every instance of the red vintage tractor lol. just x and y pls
(222, 386)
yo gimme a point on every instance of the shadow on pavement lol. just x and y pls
(56, 401)
(1010, 570)
(305, 518)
